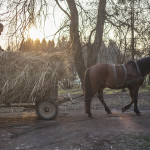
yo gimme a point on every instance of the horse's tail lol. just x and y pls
(87, 84)
(87, 90)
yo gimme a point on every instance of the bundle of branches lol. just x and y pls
(27, 77)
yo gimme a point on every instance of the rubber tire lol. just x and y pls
(40, 110)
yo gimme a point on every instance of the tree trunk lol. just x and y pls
(132, 31)
(75, 39)
(95, 47)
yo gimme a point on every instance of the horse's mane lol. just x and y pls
(130, 62)
(144, 60)
(144, 65)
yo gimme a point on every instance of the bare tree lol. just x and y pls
(94, 48)
(75, 39)
(84, 19)
(131, 23)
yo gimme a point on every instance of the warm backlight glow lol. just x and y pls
(35, 34)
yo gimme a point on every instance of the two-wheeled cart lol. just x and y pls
(47, 107)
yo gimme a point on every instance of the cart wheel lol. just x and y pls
(47, 109)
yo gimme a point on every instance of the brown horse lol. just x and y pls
(130, 75)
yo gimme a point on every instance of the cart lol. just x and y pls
(47, 107)
(20, 68)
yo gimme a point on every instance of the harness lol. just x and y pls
(125, 82)
(115, 75)
(137, 67)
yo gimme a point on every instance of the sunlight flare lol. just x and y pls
(35, 34)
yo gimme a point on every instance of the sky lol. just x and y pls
(44, 30)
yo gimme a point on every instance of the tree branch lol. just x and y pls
(89, 41)
(62, 9)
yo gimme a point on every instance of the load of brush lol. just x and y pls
(27, 77)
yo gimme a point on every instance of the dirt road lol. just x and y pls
(73, 130)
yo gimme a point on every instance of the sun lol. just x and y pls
(34, 34)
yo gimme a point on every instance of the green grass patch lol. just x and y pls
(74, 91)
(145, 88)
(111, 91)
(77, 90)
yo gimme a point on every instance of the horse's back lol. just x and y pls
(107, 75)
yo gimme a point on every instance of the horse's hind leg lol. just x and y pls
(88, 106)
(100, 96)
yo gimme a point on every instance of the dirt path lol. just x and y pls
(73, 130)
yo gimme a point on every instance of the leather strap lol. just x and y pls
(115, 74)
(125, 70)
(137, 67)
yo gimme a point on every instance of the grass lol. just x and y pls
(142, 89)
(77, 90)
(74, 91)
(145, 88)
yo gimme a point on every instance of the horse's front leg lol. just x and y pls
(132, 99)
(100, 96)
(134, 95)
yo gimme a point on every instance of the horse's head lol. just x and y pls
(144, 65)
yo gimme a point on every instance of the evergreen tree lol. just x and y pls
(44, 45)
(26, 46)
(51, 46)
(37, 45)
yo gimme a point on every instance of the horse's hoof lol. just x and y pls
(109, 112)
(138, 113)
(123, 110)
(90, 116)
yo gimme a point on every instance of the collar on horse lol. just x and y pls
(137, 67)
(125, 82)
